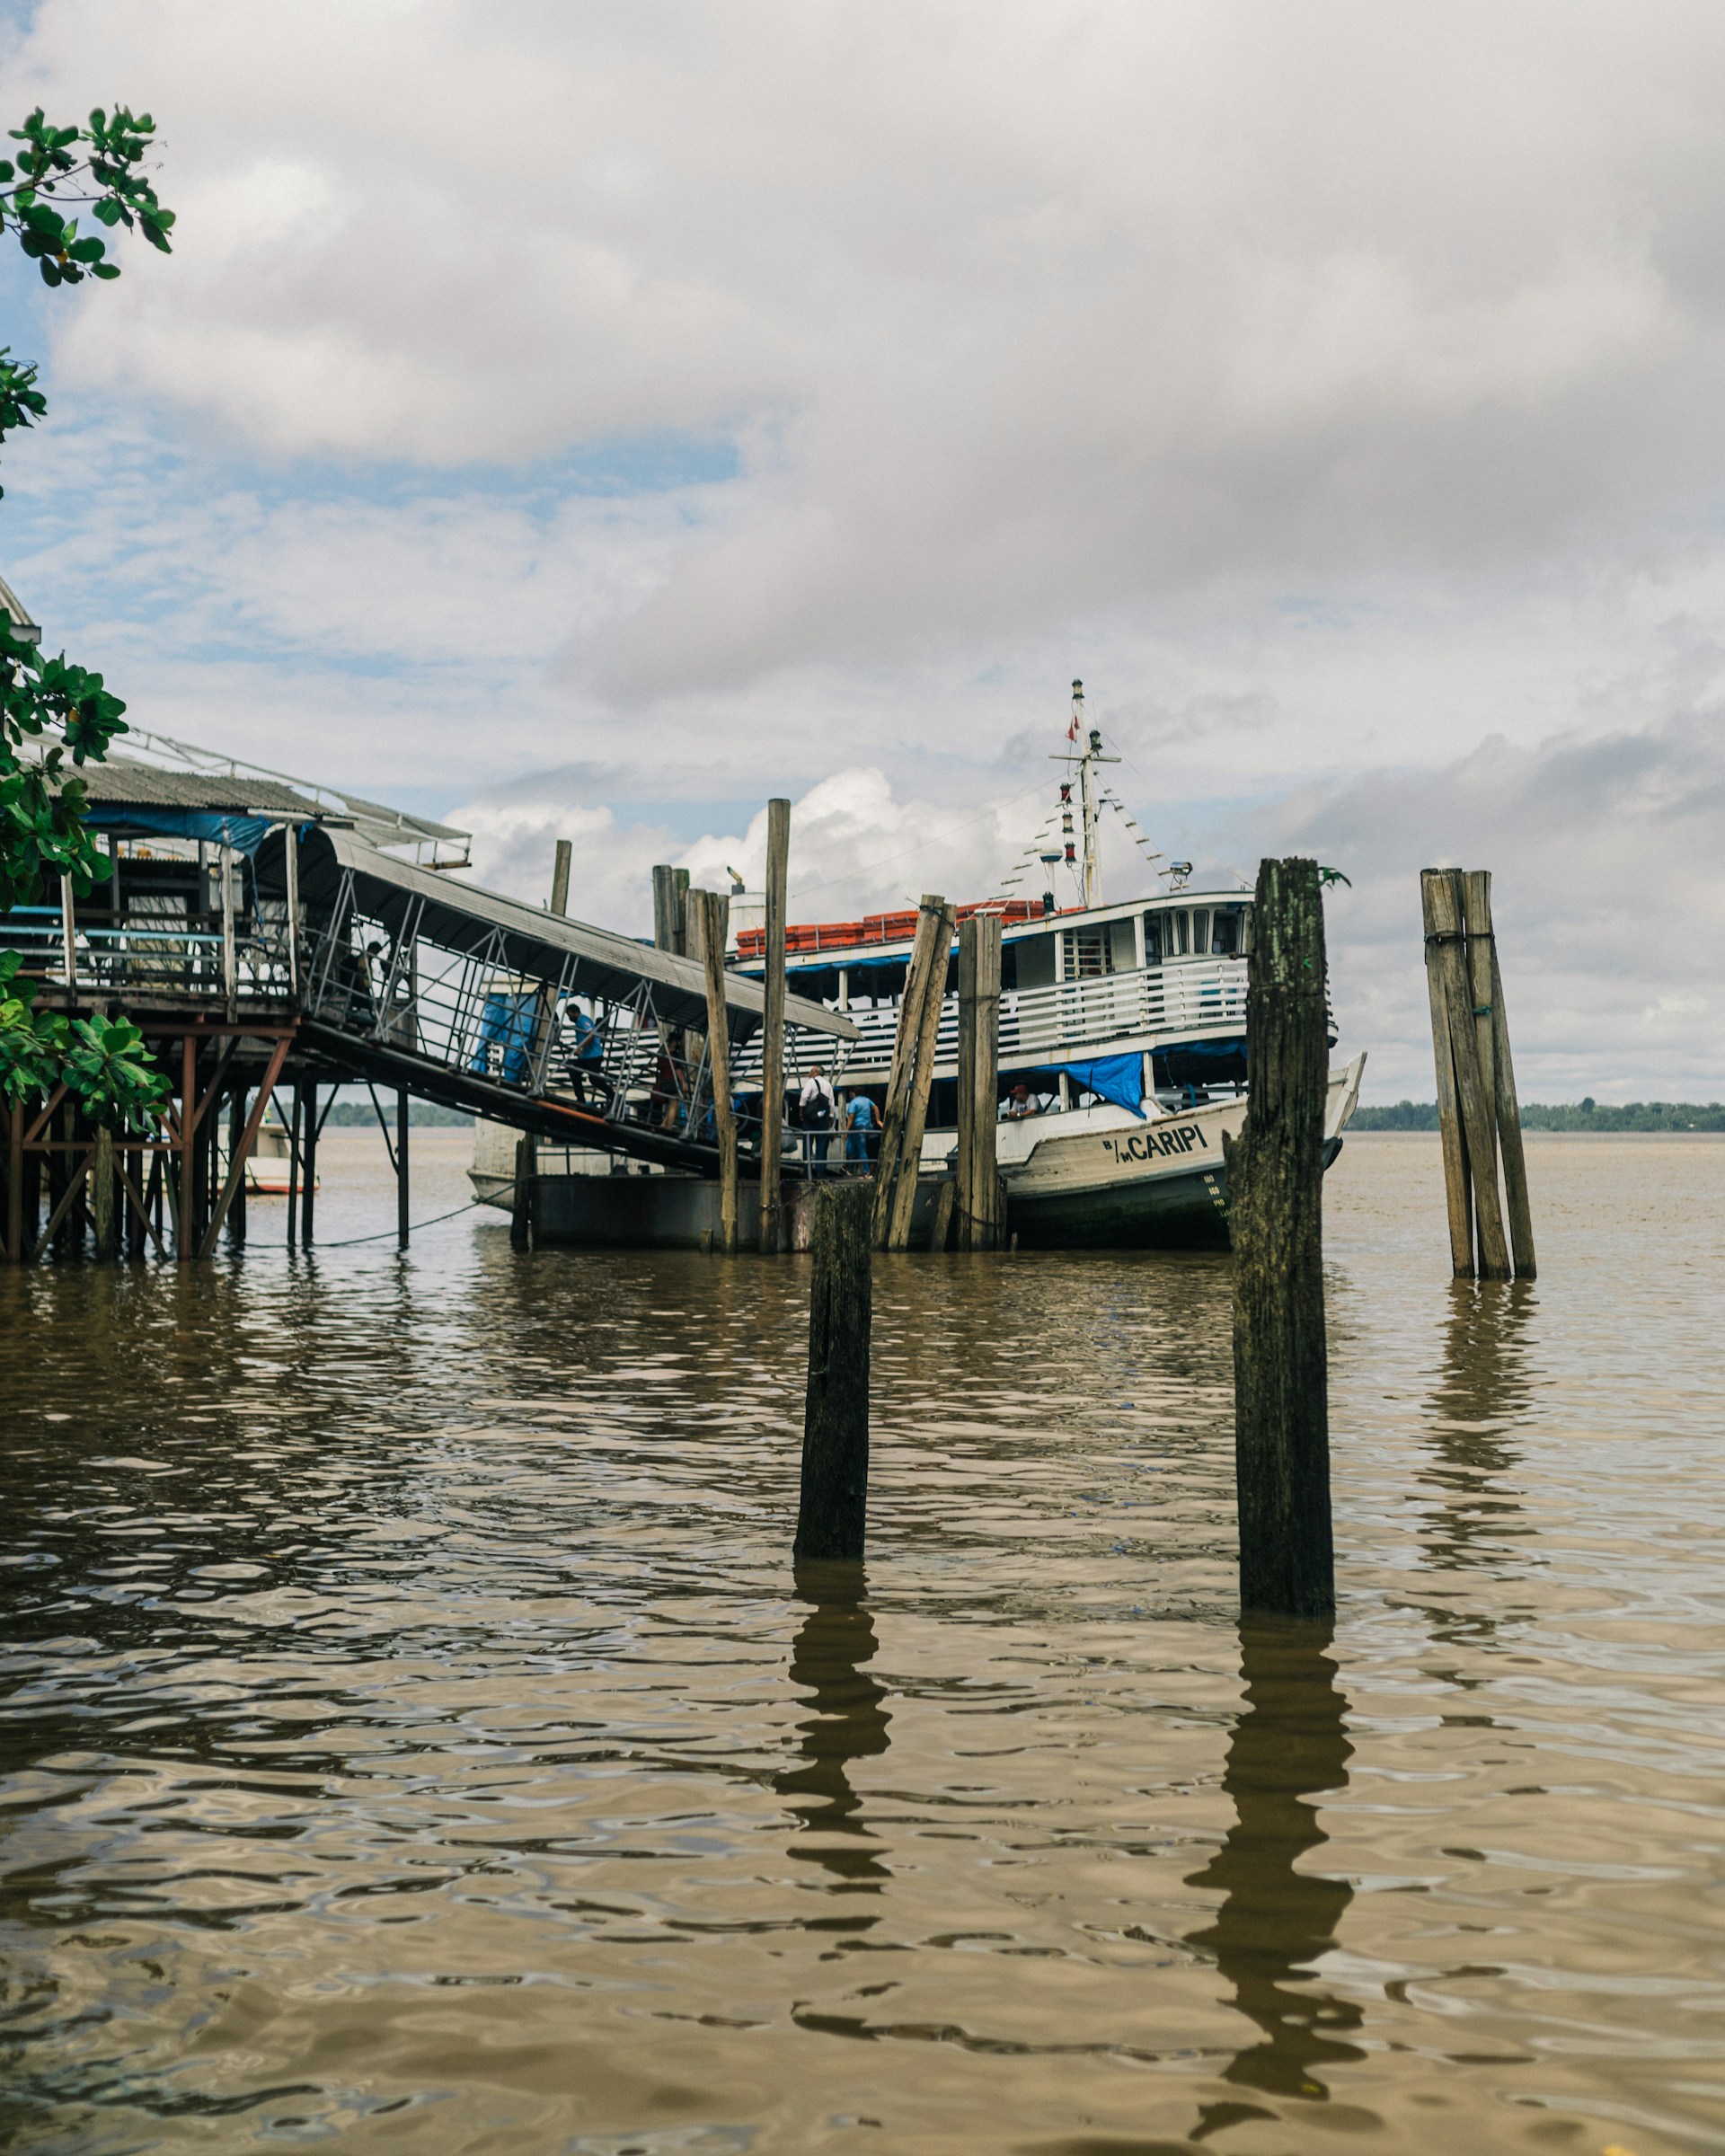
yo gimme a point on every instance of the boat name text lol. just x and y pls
(1143, 1144)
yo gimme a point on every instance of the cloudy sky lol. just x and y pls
(589, 420)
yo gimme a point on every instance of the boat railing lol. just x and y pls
(1195, 998)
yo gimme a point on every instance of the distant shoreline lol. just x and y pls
(1582, 1119)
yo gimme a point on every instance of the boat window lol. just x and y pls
(1122, 946)
(1034, 962)
(1152, 938)
(1086, 953)
(1225, 937)
(1202, 932)
(1178, 932)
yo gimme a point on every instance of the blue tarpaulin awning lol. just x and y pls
(1117, 1078)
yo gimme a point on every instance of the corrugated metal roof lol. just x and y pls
(463, 917)
(122, 782)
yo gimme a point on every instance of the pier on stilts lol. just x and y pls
(273, 942)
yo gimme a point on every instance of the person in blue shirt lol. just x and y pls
(860, 1125)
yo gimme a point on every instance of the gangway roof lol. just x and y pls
(465, 918)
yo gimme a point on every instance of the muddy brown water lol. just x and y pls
(413, 1739)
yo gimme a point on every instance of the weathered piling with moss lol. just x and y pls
(833, 1516)
(1281, 1417)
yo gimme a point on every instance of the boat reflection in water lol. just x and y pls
(1278, 1920)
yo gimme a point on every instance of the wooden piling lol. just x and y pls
(778, 863)
(527, 1166)
(1457, 1192)
(404, 1186)
(1446, 950)
(939, 1232)
(1275, 1205)
(714, 913)
(978, 1178)
(308, 1193)
(565, 856)
(101, 1197)
(293, 1122)
(832, 1518)
(911, 1075)
(185, 1230)
(1485, 978)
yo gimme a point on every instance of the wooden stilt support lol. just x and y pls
(1457, 1034)
(57, 1218)
(403, 1186)
(1485, 978)
(911, 1075)
(237, 1166)
(778, 864)
(308, 1195)
(236, 1222)
(140, 1202)
(1281, 1418)
(526, 1167)
(295, 1121)
(978, 1190)
(715, 925)
(102, 1197)
(184, 1219)
(832, 1518)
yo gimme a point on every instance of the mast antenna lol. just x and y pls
(1084, 748)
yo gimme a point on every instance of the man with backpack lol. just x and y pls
(815, 1112)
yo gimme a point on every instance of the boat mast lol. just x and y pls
(1087, 759)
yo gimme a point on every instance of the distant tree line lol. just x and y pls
(345, 1114)
(1581, 1115)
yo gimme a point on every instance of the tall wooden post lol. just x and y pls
(185, 1225)
(308, 1194)
(911, 1075)
(290, 864)
(979, 1192)
(833, 1516)
(1281, 1417)
(1446, 952)
(101, 1197)
(230, 947)
(1457, 1184)
(69, 935)
(1485, 980)
(778, 864)
(714, 911)
(403, 1187)
(559, 877)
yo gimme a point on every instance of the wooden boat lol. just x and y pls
(1123, 1050)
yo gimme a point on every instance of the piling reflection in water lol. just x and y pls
(1485, 1385)
(1276, 1919)
(849, 1722)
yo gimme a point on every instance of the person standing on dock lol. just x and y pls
(860, 1123)
(815, 1109)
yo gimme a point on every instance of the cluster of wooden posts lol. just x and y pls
(1490, 1229)
(1286, 1551)
(695, 924)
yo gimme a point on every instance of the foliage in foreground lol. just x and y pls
(42, 805)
